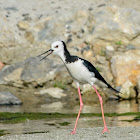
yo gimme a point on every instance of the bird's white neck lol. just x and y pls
(61, 55)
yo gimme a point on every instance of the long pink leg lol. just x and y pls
(81, 105)
(101, 102)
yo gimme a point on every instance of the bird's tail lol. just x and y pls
(110, 87)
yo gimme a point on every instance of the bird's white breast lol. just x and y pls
(79, 71)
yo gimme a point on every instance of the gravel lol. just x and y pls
(121, 133)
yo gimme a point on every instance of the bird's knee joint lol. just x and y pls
(81, 105)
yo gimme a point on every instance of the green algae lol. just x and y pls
(60, 84)
(3, 132)
(64, 123)
(6, 117)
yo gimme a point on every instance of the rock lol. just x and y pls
(89, 55)
(130, 47)
(136, 41)
(53, 92)
(85, 22)
(114, 23)
(74, 85)
(127, 91)
(41, 23)
(53, 107)
(29, 36)
(126, 66)
(14, 77)
(106, 73)
(109, 51)
(101, 59)
(7, 33)
(23, 25)
(86, 88)
(40, 72)
(6, 71)
(31, 71)
(7, 98)
(105, 26)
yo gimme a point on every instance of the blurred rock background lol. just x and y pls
(105, 32)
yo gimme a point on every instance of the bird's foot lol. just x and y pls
(73, 132)
(105, 129)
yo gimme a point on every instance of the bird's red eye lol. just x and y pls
(56, 46)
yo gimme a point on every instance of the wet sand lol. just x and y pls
(121, 133)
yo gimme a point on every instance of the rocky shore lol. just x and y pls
(107, 33)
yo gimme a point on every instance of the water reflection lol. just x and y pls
(65, 107)
(128, 106)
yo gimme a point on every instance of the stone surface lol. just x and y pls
(14, 77)
(23, 25)
(29, 36)
(30, 71)
(55, 106)
(127, 91)
(7, 98)
(126, 66)
(106, 25)
(39, 71)
(114, 24)
(109, 51)
(86, 88)
(101, 59)
(53, 92)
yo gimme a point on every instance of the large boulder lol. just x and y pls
(126, 70)
(53, 92)
(126, 66)
(127, 91)
(114, 24)
(7, 98)
(32, 71)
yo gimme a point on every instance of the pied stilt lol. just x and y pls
(81, 71)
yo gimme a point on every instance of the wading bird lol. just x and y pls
(81, 71)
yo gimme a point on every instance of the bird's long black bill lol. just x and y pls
(45, 53)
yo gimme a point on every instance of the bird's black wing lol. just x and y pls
(91, 68)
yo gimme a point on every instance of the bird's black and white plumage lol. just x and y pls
(81, 70)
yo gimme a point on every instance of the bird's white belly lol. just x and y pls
(79, 72)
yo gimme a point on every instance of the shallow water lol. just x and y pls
(32, 126)
(67, 107)
(32, 103)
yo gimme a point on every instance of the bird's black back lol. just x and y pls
(91, 68)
